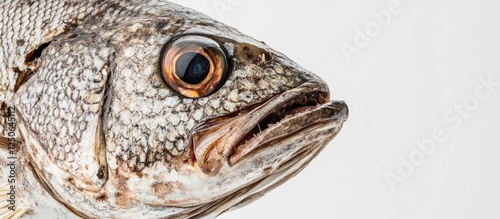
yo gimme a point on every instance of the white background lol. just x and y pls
(428, 58)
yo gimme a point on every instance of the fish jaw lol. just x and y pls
(279, 161)
(230, 139)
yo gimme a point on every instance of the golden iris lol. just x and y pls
(194, 66)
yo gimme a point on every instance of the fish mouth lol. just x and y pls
(234, 137)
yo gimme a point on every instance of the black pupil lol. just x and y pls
(192, 67)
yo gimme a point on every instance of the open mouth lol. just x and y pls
(234, 137)
(290, 108)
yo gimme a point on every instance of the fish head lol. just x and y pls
(170, 109)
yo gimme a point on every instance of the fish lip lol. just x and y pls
(329, 113)
(220, 139)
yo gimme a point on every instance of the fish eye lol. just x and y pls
(194, 66)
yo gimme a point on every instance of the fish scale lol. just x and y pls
(25, 25)
(102, 135)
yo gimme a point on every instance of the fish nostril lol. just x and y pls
(252, 54)
(249, 54)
